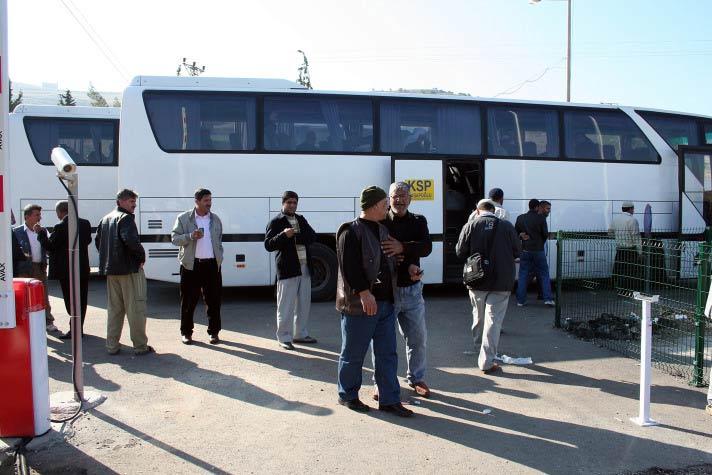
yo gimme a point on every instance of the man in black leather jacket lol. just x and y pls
(121, 259)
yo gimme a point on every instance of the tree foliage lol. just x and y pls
(67, 99)
(116, 103)
(304, 78)
(97, 100)
(14, 102)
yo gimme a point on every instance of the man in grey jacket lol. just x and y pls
(198, 232)
(497, 241)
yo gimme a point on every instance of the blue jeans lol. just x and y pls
(410, 312)
(533, 261)
(356, 335)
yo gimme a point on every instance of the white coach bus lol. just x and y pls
(249, 140)
(91, 137)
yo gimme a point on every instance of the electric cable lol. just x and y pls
(71, 269)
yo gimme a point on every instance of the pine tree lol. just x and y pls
(116, 103)
(97, 100)
(16, 101)
(304, 77)
(66, 99)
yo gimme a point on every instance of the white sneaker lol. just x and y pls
(52, 328)
(549, 303)
(521, 304)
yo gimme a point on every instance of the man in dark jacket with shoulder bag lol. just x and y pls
(497, 243)
(290, 235)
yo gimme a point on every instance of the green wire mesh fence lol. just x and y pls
(595, 286)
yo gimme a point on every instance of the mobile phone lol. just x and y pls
(202, 231)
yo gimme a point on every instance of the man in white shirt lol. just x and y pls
(198, 232)
(31, 236)
(496, 195)
(629, 248)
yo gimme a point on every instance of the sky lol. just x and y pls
(649, 53)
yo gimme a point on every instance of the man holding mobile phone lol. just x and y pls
(198, 232)
(409, 240)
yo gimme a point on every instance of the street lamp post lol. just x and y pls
(568, 48)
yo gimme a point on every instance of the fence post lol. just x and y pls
(703, 285)
(559, 277)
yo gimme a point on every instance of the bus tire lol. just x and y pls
(324, 269)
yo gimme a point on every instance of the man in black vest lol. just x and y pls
(365, 294)
(57, 246)
(290, 235)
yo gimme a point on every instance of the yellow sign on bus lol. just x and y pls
(422, 189)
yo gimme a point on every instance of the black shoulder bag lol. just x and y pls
(477, 266)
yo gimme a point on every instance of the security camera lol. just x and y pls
(63, 161)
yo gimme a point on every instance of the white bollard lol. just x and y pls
(646, 342)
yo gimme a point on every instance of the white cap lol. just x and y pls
(627, 204)
(484, 201)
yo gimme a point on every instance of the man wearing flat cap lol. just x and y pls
(629, 248)
(365, 296)
(497, 242)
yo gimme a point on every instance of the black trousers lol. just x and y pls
(83, 292)
(627, 269)
(205, 278)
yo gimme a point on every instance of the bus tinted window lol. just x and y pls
(674, 130)
(428, 127)
(318, 124)
(708, 133)
(518, 132)
(87, 141)
(605, 135)
(202, 122)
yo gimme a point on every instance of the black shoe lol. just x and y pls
(355, 405)
(65, 336)
(214, 340)
(396, 409)
(148, 350)
(186, 339)
(307, 340)
(287, 345)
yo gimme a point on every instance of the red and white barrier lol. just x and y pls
(24, 376)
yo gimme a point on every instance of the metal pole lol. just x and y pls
(646, 341)
(7, 293)
(559, 277)
(74, 286)
(568, 56)
(703, 285)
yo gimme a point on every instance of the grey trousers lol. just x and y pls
(488, 311)
(293, 306)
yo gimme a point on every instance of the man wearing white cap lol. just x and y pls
(497, 242)
(629, 248)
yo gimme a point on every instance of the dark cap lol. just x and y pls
(496, 194)
(371, 196)
(289, 194)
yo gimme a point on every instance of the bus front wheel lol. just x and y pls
(324, 269)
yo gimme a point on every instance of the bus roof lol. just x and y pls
(282, 85)
(67, 111)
